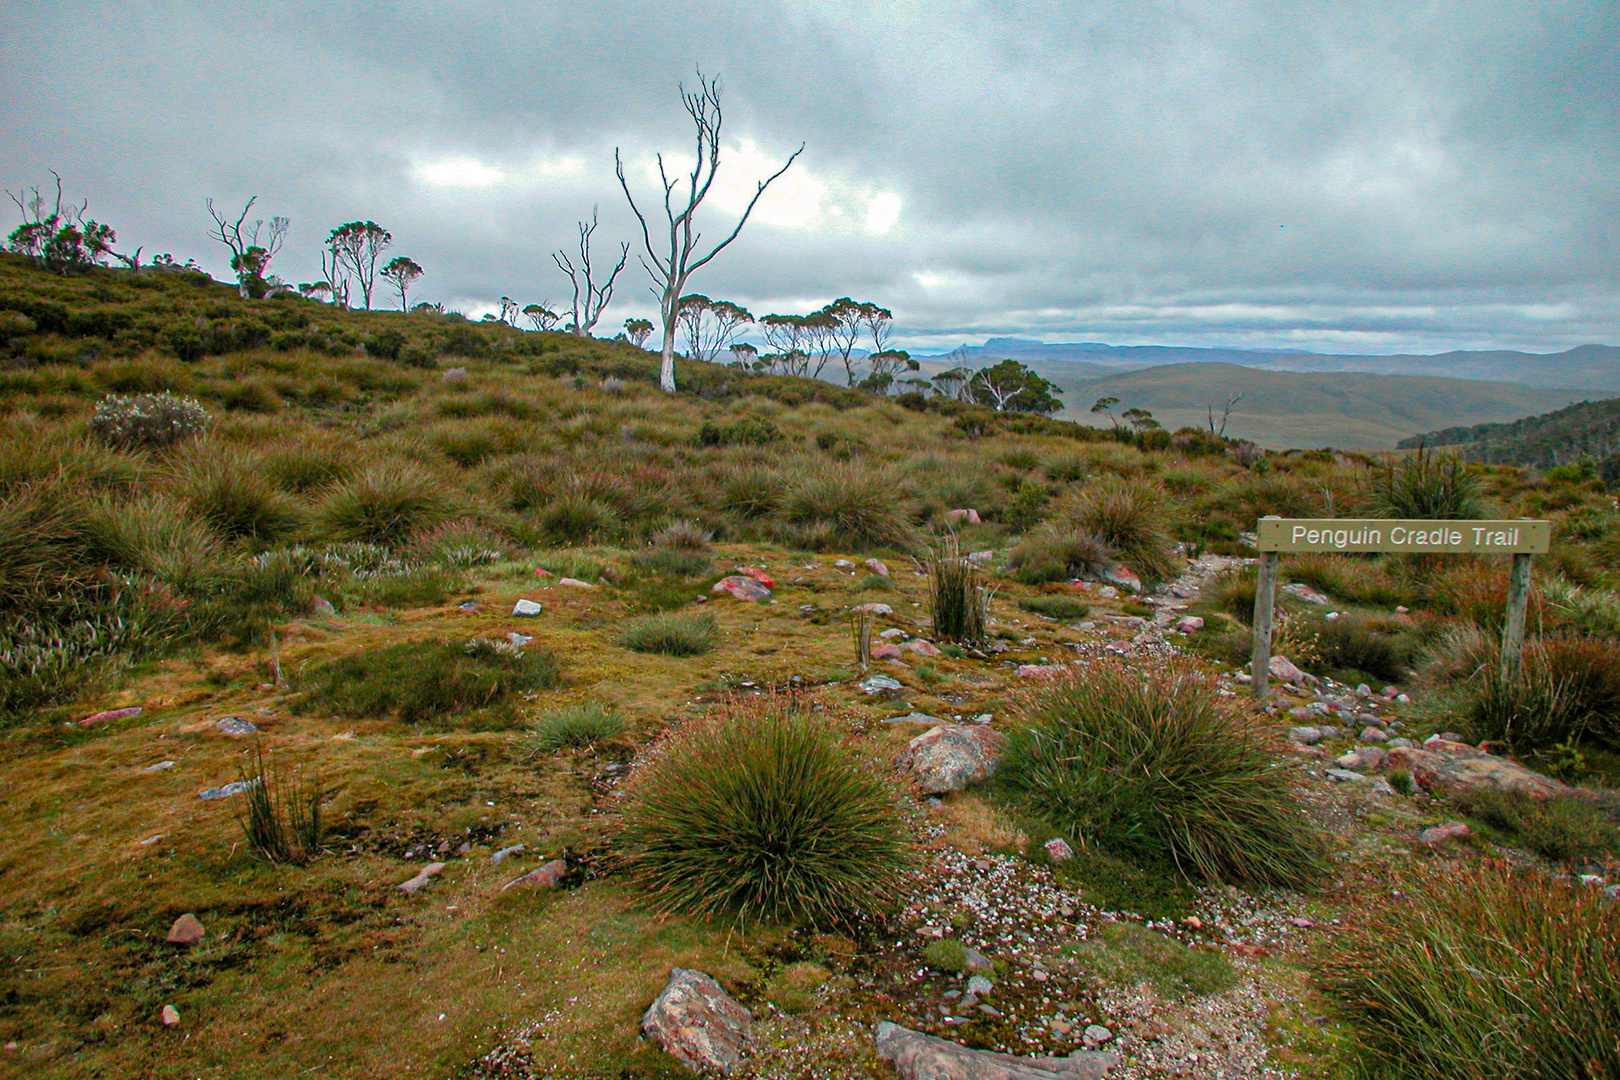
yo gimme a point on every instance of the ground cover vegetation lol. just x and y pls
(317, 522)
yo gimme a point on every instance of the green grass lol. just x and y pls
(1124, 955)
(1156, 768)
(946, 954)
(425, 682)
(670, 634)
(1481, 971)
(957, 602)
(574, 727)
(760, 812)
(1062, 608)
(1567, 830)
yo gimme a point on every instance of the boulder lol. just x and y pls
(741, 588)
(949, 757)
(877, 567)
(526, 609)
(1453, 768)
(924, 1057)
(921, 647)
(1122, 576)
(757, 575)
(698, 1023)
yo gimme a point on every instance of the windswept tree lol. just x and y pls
(251, 246)
(710, 325)
(1105, 406)
(590, 298)
(885, 367)
(637, 331)
(509, 311)
(849, 320)
(744, 355)
(63, 239)
(540, 316)
(1008, 386)
(952, 383)
(677, 257)
(355, 249)
(402, 272)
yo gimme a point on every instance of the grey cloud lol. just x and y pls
(1349, 174)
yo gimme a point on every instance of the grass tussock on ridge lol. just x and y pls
(760, 812)
(1156, 768)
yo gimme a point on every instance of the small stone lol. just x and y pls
(574, 583)
(159, 767)
(1451, 830)
(893, 633)
(1096, 1035)
(885, 651)
(1039, 976)
(921, 648)
(235, 725)
(1310, 736)
(168, 1016)
(877, 567)
(976, 961)
(225, 791)
(1038, 671)
(914, 718)
(843, 564)
(1305, 593)
(1363, 690)
(1059, 849)
(875, 609)
(989, 1010)
(982, 718)
(1372, 734)
(1283, 668)
(1189, 624)
(1364, 759)
(423, 876)
(542, 877)
(980, 986)
(880, 684)
(187, 930)
(110, 714)
(1302, 712)
(454, 374)
(981, 556)
(1108, 592)
(505, 853)
(518, 639)
(527, 609)
(1401, 609)
(963, 514)
(1345, 776)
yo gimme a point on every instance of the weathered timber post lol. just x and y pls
(1265, 604)
(1513, 629)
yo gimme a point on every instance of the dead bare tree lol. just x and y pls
(1225, 415)
(670, 269)
(249, 258)
(589, 298)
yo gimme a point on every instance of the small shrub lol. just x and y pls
(957, 603)
(423, 682)
(759, 812)
(670, 634)
(148, 421)
(683, 535)
(1481, 971)
(1056, 607)
(1381, 647)
(579, 726)
(1059, 553)
(1160, 769)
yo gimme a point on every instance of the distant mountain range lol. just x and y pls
(1590, 369)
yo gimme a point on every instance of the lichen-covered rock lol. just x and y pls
(1453, 768)
(1285, 669)
(949, 757)
(742, 588)
(698, 1023)
(924, 1057)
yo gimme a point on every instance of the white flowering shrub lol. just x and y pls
(148, 420)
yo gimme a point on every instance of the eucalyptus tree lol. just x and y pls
(403, 272)
(590, 297)
(251, 246)
(355, 248)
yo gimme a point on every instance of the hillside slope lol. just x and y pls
(1348, 410)
(1589, 429)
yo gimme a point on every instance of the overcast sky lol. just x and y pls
(1344, 175)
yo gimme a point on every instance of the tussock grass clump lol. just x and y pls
(957, 602)
(1158, 768)
(385, 504)
(1382, 647)
(428, 681)
(759, 812)
(670, 633)
(1426, 485)
(1059, 553)
(577, 726)
(1567, 690)
(1127, 514)
(673, 562)
(237, 500)
(1485, 972)
(282, 823)
(683, 535)
(848, 506)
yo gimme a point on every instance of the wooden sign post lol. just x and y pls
(1276, 536)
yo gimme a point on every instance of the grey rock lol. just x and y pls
(225, 791)
(505, 853)
(1372, 734)
(924, 1057)
(1400, 744)
(542, 877)
(423, 876)
(698, 1023)
(1283, 668)
(979, 986)
(949, 757)
(1096, 1034)
(1345, 776)
(235, 725)
(1310, 736)
(159, 767)
(1364, 759)
(880, 684)
(914, 718)
(976, 961)
(527, 609)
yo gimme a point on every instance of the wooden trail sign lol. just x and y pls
(1519, 538)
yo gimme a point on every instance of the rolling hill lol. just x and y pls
(1347, 410)
(1589, 429)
